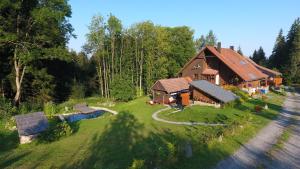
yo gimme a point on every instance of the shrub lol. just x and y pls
(50, 108)
(122, 89)
(242, 94)
(6, 109)
(137, 164)
(27, 107)
(55, 131)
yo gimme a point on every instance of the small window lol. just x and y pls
(196, 76)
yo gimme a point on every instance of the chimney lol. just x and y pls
(232, 47)
(219, 47)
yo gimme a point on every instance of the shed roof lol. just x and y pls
(31, 123)
(210, 72)
(83, 108)
(172, 85)
(214, 91)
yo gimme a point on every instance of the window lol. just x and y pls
(196, 76)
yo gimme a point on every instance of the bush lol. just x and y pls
(122, 89)
(6, 109)
(55, 131)
(27, 107)
(137, 164)
(242, 94)
(50, 109)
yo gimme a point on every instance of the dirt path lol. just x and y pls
(155, 117)
(289, 156)
(253, 153)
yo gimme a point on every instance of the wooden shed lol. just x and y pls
(207, 92)
(30, 125)
(175, 90)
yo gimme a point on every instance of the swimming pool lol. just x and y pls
(77, 117)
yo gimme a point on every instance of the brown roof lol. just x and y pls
(172, 85)
(236, 62)
(264, 69)
(210, 72)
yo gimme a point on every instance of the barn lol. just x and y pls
(30, 125)
(175, 90)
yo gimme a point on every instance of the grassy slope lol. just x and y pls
(96, 144)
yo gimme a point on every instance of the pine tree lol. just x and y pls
(211, 38)
(278, 59)
(293, 47)
(240, 51)
(259, 57)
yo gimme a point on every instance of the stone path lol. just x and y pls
(155, 117)
(253, 153)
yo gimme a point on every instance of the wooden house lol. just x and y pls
(223, 66)
(167, 91)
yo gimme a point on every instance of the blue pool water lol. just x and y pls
(77, 117)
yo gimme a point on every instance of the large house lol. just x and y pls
(202, 77)
(224, 66)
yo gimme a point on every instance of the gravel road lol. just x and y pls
(253, 153)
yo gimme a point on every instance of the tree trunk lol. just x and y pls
(100, 80)
(141, 68)
(121, 55)
(19, 78)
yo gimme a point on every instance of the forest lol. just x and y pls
(116, 62)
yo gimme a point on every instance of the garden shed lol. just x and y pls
(207, 92)
(166, 91)
(30, 125)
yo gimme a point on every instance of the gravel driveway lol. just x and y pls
(253, 153)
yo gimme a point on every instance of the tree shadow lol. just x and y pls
(8, 141)
(114, 148)
(6, 163)
(123, 142)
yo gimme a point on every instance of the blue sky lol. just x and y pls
(248, 23)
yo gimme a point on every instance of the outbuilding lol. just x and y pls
(204, 91)
(30, 125)
(175, 90)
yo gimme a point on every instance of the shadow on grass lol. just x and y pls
(8, 162)
(8, 141)
(123, 143)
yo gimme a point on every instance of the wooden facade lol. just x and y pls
(198, 95)
(205, 60)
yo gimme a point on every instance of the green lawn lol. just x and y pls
(117, 141)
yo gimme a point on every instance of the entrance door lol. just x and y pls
(217, 79)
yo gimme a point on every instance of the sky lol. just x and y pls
(245, 23)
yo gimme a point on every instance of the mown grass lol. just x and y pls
(116, 141)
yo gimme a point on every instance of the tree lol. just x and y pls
(259, 56)
(211, 38)
(33, 30)
(114, 27)
(293, 47)
(240, 51)
(278, 58)
(200, 43)
(122, 88)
